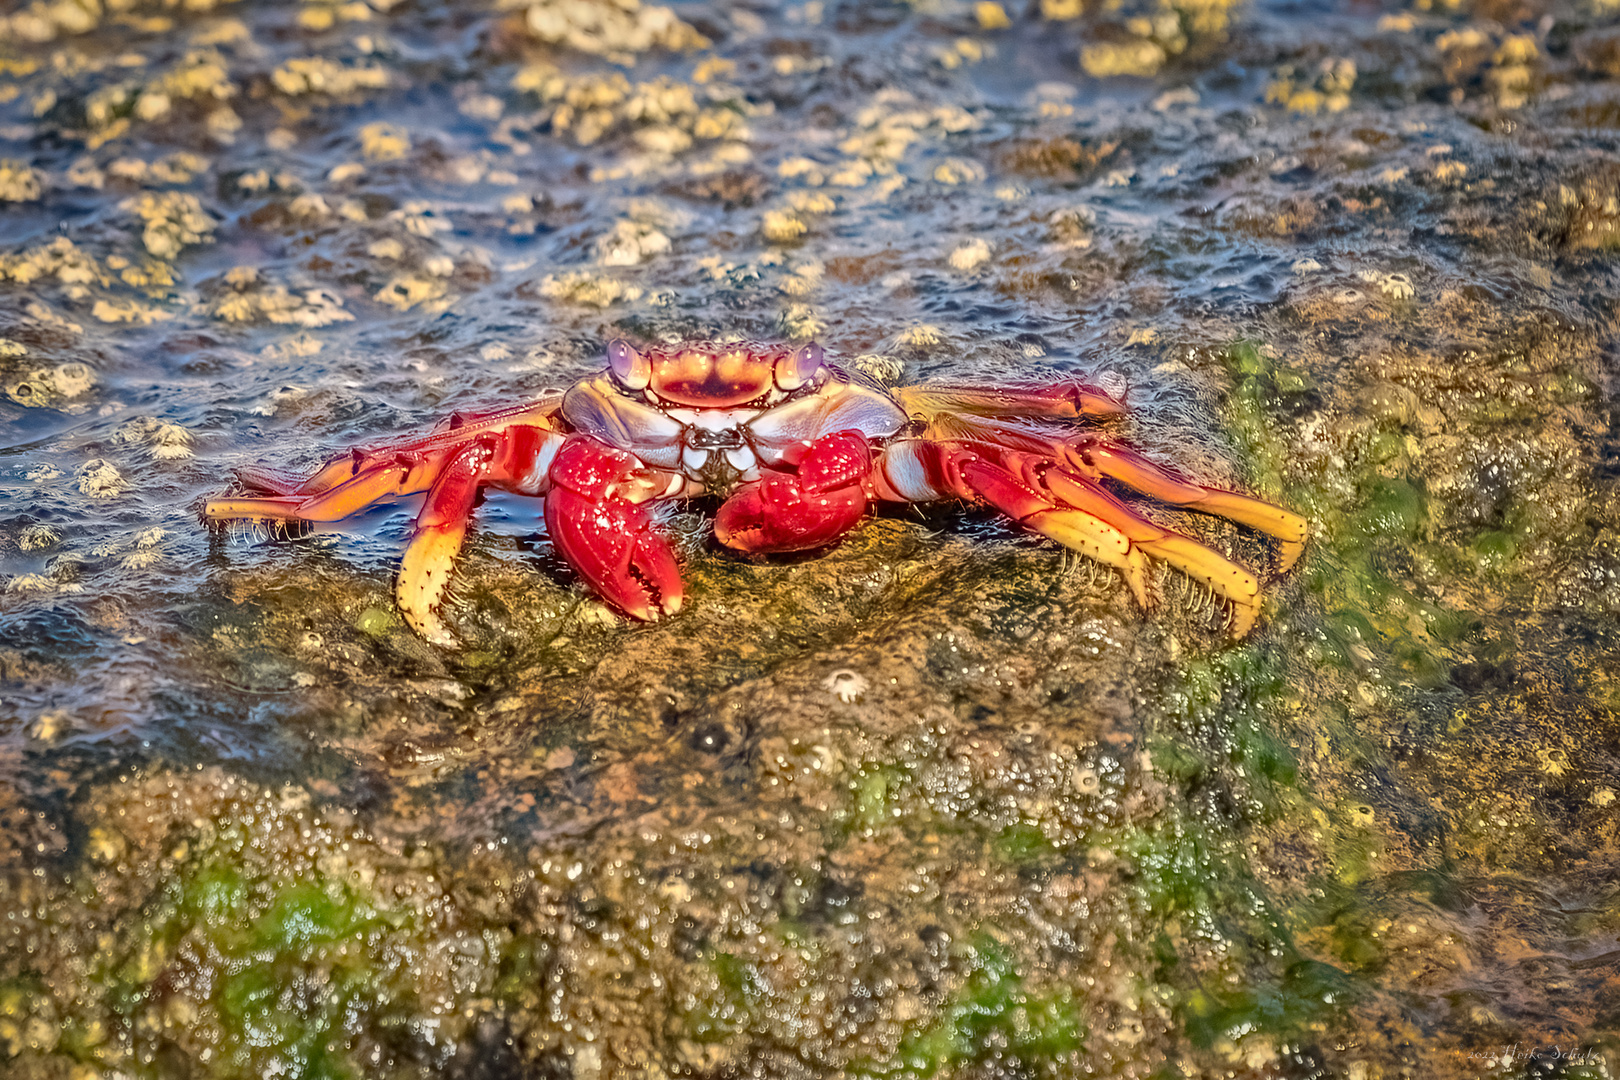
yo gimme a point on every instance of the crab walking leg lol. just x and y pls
(596, 517)
(319, 499)
(282, 484)
(355, 480)
(1073, 527)
(1068, 399)
(441, 528)
(1136, 471)
(1229, 581)
(265, 481)
(811, 508)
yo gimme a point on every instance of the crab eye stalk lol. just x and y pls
(630, 369)
(800, 367)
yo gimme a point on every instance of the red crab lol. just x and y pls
(798, 450)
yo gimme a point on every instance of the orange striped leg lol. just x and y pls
(1228, 580)
(1130, 468)
(325, 496)
(451, 482)
(441, 528)
(1087, 519)
(1072, 527)
(1065, 399)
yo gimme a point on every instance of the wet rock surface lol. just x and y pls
(939, 802)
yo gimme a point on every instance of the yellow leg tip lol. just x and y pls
(1135, 570)
(429, 628)
(424, 576)
(1288, 553)
(1243, 616)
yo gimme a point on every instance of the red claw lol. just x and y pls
(811, 508)
(608, 539)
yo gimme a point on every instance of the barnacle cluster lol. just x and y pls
(19, 182)
(51, 387)
(171, 221)
(60, 259)
(244, 296)
(320, 75)
(588, 290)
(1152, 34)
(1327, 88)
(664, 116)
(619, 30)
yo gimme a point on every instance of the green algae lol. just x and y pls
(299, 960)
(1022, 845)
(879, 798)
(1392, 509)
(1349, 567)
(376, 622)
(992, 1017)
(1218, 734)
(737, 991)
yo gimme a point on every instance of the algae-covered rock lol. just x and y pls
(941, 800)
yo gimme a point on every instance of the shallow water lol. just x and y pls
(1360, 261)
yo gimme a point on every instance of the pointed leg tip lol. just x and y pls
(1138, 588)
(1102, 406)
(1288, 553)
(1135, 571)
(1243, 616)
(631, 601)
(429, 628)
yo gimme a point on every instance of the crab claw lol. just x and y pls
(811, 508)
(610, 540)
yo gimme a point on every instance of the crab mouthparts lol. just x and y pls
(724, 439)
(719, 475)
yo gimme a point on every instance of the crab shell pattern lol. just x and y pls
(797, 448)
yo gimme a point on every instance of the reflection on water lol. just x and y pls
(938, 802)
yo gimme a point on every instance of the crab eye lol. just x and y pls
(630, 369)
(800, 367)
